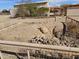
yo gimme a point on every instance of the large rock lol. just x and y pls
(13, 12)
(43, 29)
(58, 29)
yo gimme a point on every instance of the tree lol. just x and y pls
(5, 11)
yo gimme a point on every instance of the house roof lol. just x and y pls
(55, 7)
(71, 6)
(36, 3)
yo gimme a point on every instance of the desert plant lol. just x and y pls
(32, 10)
(42, 10)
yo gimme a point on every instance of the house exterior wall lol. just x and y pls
(38, 5)
(73, 11)
(58, 9)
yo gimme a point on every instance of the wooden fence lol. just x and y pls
(68, 17)
(22, 47)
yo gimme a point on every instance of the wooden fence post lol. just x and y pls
(73, 57)
(28, 54)
(1, 55)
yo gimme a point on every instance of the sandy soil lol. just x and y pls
(22, 29)
(25, 29)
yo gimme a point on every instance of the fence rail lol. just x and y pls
(68, 17)
(22, 47)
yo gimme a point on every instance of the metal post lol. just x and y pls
(55, 17)
(28, 54)
(66, 14)
(48, 11)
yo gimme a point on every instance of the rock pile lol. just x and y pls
(55, 41)
(43, 40)
(69, 42)
(66, 41)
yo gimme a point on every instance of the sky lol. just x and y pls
(7, 4)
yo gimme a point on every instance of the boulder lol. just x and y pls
(43, 29)
(13, 12)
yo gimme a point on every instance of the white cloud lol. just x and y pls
(60, 2)
(57, 0)
(77, 0)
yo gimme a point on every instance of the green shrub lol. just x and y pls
(33, 15)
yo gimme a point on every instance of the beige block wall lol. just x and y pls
(73, 12)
